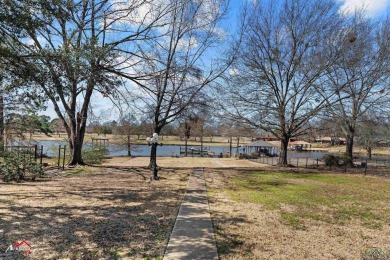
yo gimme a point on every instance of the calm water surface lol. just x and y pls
(50, 148)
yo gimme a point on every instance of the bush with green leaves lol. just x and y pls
(19, 167)
(337, 160)
(94, 156)
(1, 149)
(345, 160)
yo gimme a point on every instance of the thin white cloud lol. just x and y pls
(372, 7)
(40, 39)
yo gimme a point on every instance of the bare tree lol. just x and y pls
(363, 71)
(277, 83)
(57, 126)
(126, 127)
(67, 51)
(371, 131)
(183, 62)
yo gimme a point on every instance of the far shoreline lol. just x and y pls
(217, 141)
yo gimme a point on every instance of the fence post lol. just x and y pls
(317, 163)
(307, 158)
(297, 162)
(63, 160)
(59, 156)
(41, 154)
(35, 152)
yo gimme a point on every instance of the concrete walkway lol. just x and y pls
(193, 235)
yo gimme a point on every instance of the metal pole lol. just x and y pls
(155, 170)
(297, 162)
(307, 158)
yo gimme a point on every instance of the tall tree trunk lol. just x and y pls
(238, 144)
(1, 119)
(76, 146)
(230, 146)
(369, 152)
(201, 145)
(128, 145)
(283, 150)
(349, 147)
(77, 133)
(187, 134)
(185, 146)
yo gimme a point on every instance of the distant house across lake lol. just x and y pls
(330, 140)
(269, 138)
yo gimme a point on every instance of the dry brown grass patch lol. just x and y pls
(93, 213)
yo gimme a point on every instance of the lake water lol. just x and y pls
(50, 148)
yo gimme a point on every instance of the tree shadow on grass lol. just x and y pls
(228, 242)
(90, 221)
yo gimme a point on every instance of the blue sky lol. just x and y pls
(374, 8)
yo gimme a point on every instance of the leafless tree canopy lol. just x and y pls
(287, 48)
(181, 63)
(361, 76)
(68, 50)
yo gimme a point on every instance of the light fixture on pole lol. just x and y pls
(154, 142)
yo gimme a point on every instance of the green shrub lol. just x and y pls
(94, 156)
(1, 148)
(344, 160)
(18, 167)
(337, 160)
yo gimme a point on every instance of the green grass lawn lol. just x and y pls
(325, 197)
